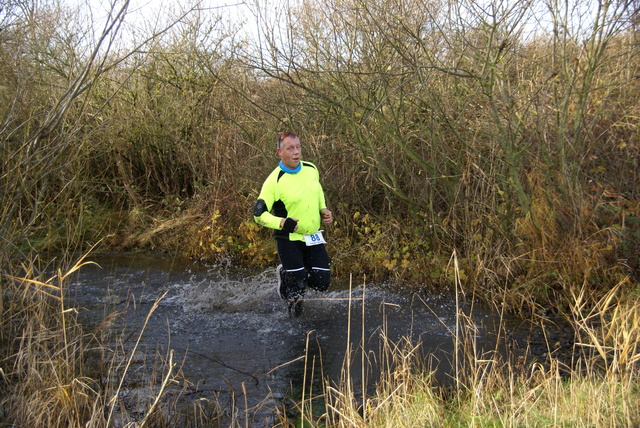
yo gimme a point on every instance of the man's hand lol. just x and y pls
(326, 216)
(289, 224)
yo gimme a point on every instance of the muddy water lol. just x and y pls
(231, 333)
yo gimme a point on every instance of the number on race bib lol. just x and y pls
(314, 239)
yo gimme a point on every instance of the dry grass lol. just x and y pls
(56, 374)
(598, 388)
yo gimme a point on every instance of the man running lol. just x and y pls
(292, 202)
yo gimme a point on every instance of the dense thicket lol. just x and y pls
(489, 145)
(506, 133)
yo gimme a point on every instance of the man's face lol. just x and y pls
(290, 151)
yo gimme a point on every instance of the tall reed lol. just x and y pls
(492, 387)
(57, 374)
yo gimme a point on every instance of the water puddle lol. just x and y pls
(234, 340)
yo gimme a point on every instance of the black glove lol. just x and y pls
(289, 225)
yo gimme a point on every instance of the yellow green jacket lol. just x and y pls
(285, 195)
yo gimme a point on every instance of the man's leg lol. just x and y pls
(294, 274)
(317, 263)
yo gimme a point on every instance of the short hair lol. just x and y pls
(283, 136)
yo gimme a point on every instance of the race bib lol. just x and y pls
(314, 239)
